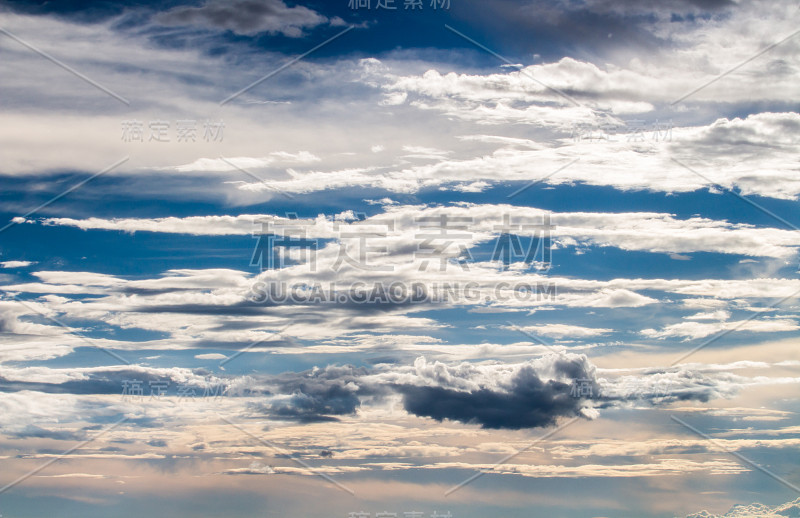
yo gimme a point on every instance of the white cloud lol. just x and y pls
(16, 264)
(210, 356)
(642, 231)
(565, 330)
(694, 330)
(754, 511)
(238, 163)
(715, 315)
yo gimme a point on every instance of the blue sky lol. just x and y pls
(607, 192)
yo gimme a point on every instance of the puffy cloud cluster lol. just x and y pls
(530, 395)
(319, 394)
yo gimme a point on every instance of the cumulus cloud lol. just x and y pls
(536, 393)
(529, 403)
(529, 395)
(319, 394)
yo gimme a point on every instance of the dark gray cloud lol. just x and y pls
(529, 402)
(320, 394)
(41, 433)
(313, 312)
(108, 382)
(69, 387)
(246, 17)
(539, 392)
(111, 449)
(311, 404)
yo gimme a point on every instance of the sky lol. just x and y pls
(375, 258)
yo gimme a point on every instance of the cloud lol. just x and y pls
(16, 264)
(619, 298)
(319, 394)
(694, 330)
(247, 17)
(432, 131)
(255, 468)
(537, 392)
(213, 308)
(210, 356)
(33, 431)
(239, 163)
(531, 403)
(314, 405)
(639, 231)
(754, 510)
(564, 330)
(531, 395)
(100, 380)
(715, 315)
(611, 54)
(606, 30)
